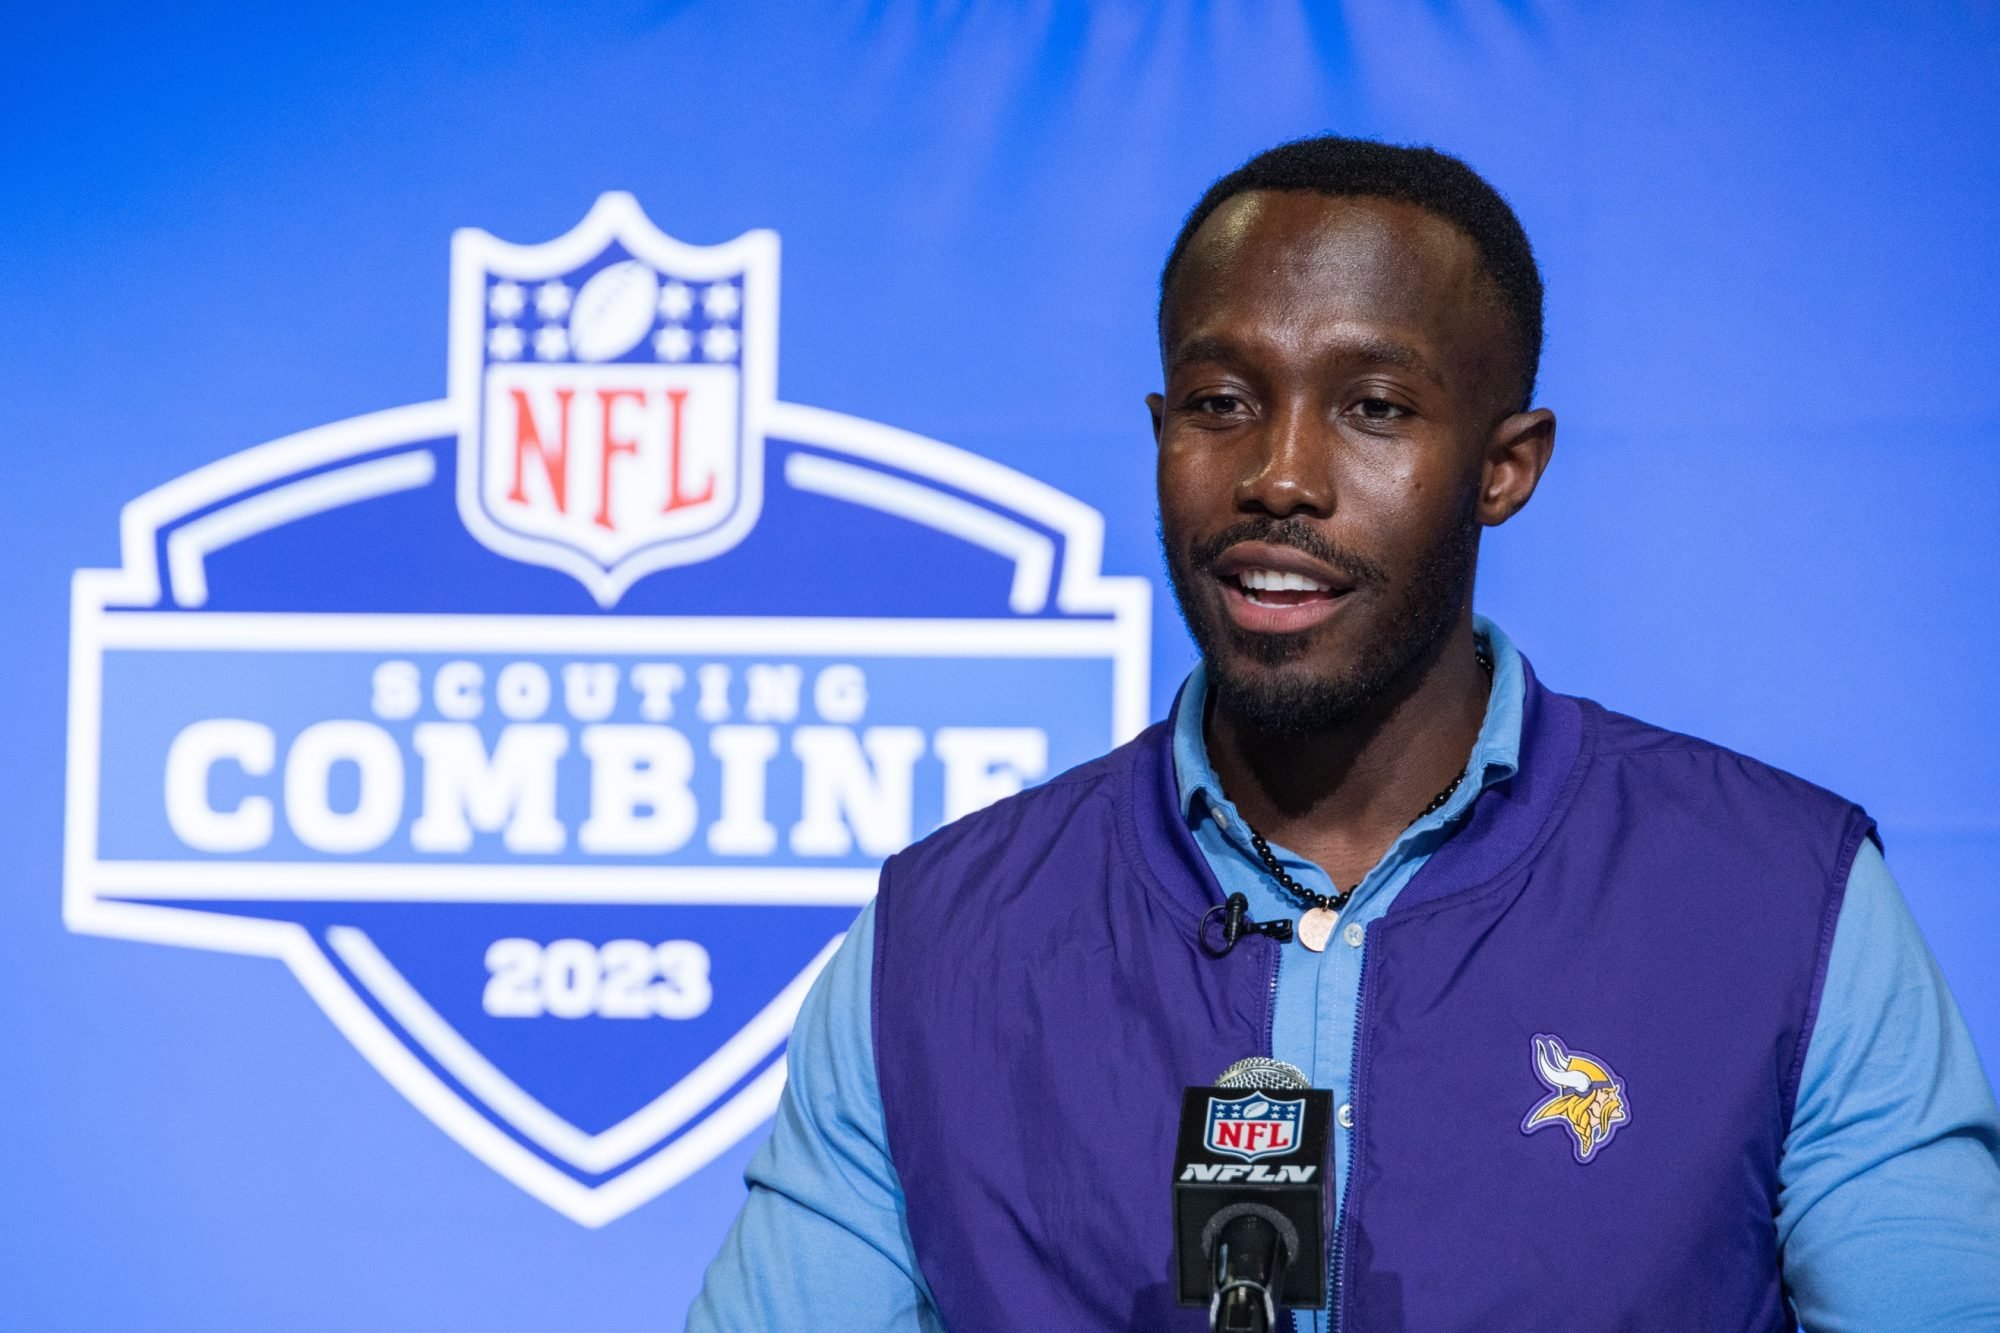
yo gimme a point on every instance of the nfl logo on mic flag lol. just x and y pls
(1254, 1126)
(553, 732)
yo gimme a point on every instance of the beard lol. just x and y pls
(1247, 672)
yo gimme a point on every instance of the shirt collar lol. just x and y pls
(1496, 755)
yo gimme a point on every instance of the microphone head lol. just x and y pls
(1261, 1071)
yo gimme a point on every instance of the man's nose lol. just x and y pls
(1287, 473)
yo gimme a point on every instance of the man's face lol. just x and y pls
(1334, 369)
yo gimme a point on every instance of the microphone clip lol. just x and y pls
(1236, 923)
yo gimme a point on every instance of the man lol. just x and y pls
(1625, 1030)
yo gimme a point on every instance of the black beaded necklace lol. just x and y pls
(1323, 909)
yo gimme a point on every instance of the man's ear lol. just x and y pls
(1157, 407)
(1517, 453)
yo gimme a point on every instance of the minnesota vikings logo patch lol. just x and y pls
(1585, 1097)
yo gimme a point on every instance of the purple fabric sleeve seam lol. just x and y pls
(1859, 828)
(875, 1002)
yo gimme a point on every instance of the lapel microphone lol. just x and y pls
(1236, 923)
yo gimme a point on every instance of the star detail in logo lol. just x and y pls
(676, 301)
(551, 342)
(506, 300)
(720, 344)
(504, 342)
(552, 300)
(721, 301)
(673, 344)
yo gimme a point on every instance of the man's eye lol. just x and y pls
(1218, 404)
(1380, 409)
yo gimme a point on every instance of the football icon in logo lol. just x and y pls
(613, 311)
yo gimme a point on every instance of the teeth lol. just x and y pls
(1272, 580)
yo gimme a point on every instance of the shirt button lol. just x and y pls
(1221, 817)
(1354, 934)
(1345, 1115)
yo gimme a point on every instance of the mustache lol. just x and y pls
(1300, 535)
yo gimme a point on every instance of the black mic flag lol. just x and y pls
(1250, 1194)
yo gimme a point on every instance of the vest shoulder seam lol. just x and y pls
(1662, 741)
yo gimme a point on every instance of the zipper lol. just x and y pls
(1337, 1251)
(1277, 952)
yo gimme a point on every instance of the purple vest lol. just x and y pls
(1657, 902)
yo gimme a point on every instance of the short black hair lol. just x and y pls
(1435, 182)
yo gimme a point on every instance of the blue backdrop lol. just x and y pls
(1773, 517)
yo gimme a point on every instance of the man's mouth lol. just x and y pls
(1275, 589)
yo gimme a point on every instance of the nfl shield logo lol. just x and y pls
(1253, 1126)
(618, 382)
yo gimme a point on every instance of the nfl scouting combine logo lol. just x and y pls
(552, 733)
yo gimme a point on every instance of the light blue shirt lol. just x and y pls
(1889, 1203)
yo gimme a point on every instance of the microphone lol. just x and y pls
(1236, 923)
(1250, 1195)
